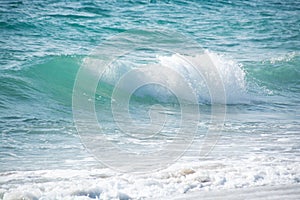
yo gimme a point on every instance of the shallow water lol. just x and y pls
(254, 46)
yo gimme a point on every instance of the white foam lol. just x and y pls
(282, 58)
(203, 73)
(182, 177)
(192, 69)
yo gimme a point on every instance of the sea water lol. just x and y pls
(239, 133)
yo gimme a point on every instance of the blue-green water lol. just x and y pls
(43, 44)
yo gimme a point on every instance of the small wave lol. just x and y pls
(193, 70)
(54, 77)
(279, 74)
(283, 58)
(42, 83)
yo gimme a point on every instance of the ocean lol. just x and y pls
(148, 99)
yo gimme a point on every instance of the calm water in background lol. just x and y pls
(43, 44)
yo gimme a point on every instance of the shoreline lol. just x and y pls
(290, 191)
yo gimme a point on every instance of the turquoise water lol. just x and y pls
(43, 44)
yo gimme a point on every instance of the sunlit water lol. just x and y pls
(254, 45)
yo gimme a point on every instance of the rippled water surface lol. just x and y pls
(254, 46)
